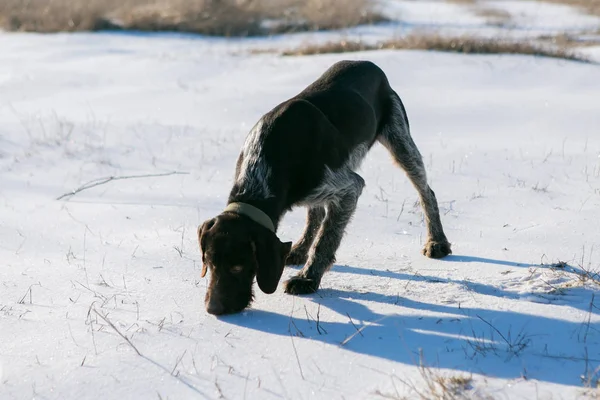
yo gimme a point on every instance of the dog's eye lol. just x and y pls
(237, 269)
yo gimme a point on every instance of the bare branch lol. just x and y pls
(102, 181)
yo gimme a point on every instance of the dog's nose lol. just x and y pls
(215, 308)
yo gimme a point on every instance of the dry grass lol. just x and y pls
(566, 40)
(465, 44)
(590, 6)
(435, 386)
(453, 387)
(209, 17)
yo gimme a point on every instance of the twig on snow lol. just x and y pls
(514, 347)
(102, 181)
(292, 338)
(297, 358)
(221, 395)
(109, 322)
(589, 319)
(30, 293)
(354, 325)
(170, 372)
(319, 327)
(362, 328)
(177, 363)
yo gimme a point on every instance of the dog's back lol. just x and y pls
(354, 96)
(330, 124)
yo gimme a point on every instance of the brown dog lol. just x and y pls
(305, 152)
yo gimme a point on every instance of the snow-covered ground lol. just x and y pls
(512, 148)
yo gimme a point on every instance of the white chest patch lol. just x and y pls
(336, 184)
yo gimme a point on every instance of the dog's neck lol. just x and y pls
(268, 209)
(252, 212)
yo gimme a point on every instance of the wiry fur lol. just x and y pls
(253, 172)
(305, 152)
(337, 183)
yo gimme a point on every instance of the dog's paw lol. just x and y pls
(300, 285)
(297, 257)
(437, 249)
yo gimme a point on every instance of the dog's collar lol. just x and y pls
(253, 213)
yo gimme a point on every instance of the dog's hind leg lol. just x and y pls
(327, 241)
(299, 253)
(395, 136)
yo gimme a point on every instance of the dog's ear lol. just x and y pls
(270, 256)
(202, 229)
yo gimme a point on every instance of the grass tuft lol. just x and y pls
(435, 386)
(462, 44)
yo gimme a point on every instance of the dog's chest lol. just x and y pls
(337, 183)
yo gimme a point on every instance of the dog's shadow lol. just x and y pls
(477, 287)
(495, 342)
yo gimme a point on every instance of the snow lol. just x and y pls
(431, 13)
(540, 15)
(523, 18)
(512, 151)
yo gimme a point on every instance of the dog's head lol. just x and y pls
(236, 250)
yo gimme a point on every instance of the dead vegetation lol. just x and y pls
(209, 17)
(570, 40)
(440, 387)
(585, 274)
(463, 44)
(435, 386)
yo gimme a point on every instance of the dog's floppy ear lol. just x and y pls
(202, 240)
(270, 256)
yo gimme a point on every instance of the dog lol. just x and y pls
(304, 152)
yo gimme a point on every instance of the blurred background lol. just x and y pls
(557, 26)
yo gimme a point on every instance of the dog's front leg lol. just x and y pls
(322, 253)
(299, 253)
